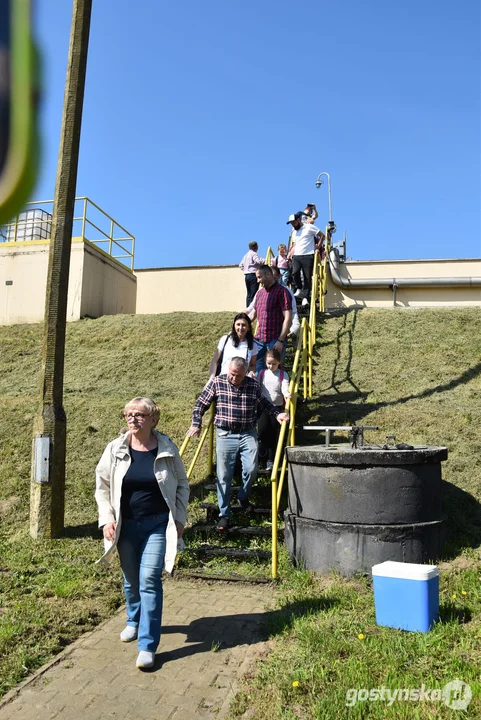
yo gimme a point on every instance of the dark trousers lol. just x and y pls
(268, 433)
(252, 287)
(306, 264)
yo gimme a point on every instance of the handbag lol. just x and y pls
(221, 358)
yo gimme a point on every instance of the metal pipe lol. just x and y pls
(397, 282)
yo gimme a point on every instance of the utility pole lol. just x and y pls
(47, 490)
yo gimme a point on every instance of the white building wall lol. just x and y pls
(97, 286)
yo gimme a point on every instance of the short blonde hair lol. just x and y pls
(282, 246)
(147, 404)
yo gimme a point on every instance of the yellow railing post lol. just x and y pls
(274, 524)
(84, 218)
(309, 360)
(274, 502)
(210, 460)
(111, 236)
(305, 340)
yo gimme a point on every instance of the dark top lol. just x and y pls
(141, 494)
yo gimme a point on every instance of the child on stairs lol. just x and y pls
(275, 386)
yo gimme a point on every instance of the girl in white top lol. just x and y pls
(238, 343)
(275, 386)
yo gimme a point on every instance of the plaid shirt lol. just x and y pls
(236, 407)
(269, 305)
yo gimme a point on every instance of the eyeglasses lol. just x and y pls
(135, 416)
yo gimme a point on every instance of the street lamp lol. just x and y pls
(318, 185)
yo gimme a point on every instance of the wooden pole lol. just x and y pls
(47, 496)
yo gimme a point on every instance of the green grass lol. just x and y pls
(51, 592)
(413, 373)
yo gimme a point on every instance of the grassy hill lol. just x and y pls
(414, 373)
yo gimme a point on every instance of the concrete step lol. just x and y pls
(234, 530)
(227, 551)
(213, 507)
(200, 574)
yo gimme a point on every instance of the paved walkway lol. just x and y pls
(211, 634)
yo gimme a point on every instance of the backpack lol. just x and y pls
(221, 358)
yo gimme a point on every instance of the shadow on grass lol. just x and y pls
(463, 513)
(448, 613)
(341, 373)
(209, 634)
(88, 530)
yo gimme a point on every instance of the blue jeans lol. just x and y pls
(141, 548)
(263, 347)
(285, 276)
(228, 446)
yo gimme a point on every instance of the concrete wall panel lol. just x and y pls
(195, 289)
(107, 288)
(338, 297)
(97, 284)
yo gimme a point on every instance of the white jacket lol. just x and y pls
(171, 476)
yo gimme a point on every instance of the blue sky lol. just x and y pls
(206, 123)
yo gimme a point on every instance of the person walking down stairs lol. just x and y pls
(239, 401)
(249, 264)
(306, 239)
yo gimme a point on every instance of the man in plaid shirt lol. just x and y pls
(239, 400)
(273, 310)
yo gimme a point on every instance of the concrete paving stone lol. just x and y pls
(223, 680)
(159, 712)
(215, 699)
(76, 685)
(190, 701)
(96, 678)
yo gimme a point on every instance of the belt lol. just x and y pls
(235, 428)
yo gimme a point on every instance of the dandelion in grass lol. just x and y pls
(463, 592)
(454, 596)
(295, 683)
(361, 636)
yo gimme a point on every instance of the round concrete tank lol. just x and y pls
(350, 509)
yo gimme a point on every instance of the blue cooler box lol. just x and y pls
(406, 595)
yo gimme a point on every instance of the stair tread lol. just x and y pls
(235, 508)
(201, 574)
(251, 530)
(228, 551)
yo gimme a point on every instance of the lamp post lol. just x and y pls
(318, 185)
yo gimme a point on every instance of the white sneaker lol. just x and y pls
(128, 634)
(269, 466)
(305, 302)
(145, 659)
(297, 293)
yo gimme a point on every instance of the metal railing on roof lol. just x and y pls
(90, 223)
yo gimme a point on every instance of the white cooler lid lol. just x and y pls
(405, 571)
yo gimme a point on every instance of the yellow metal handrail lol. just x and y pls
(269, 256)
(302, 367)
(208, 431)
(301, 380)
(123, 241)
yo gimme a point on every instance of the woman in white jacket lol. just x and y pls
(142, 492)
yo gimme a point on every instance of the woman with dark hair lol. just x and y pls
(238, 343)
